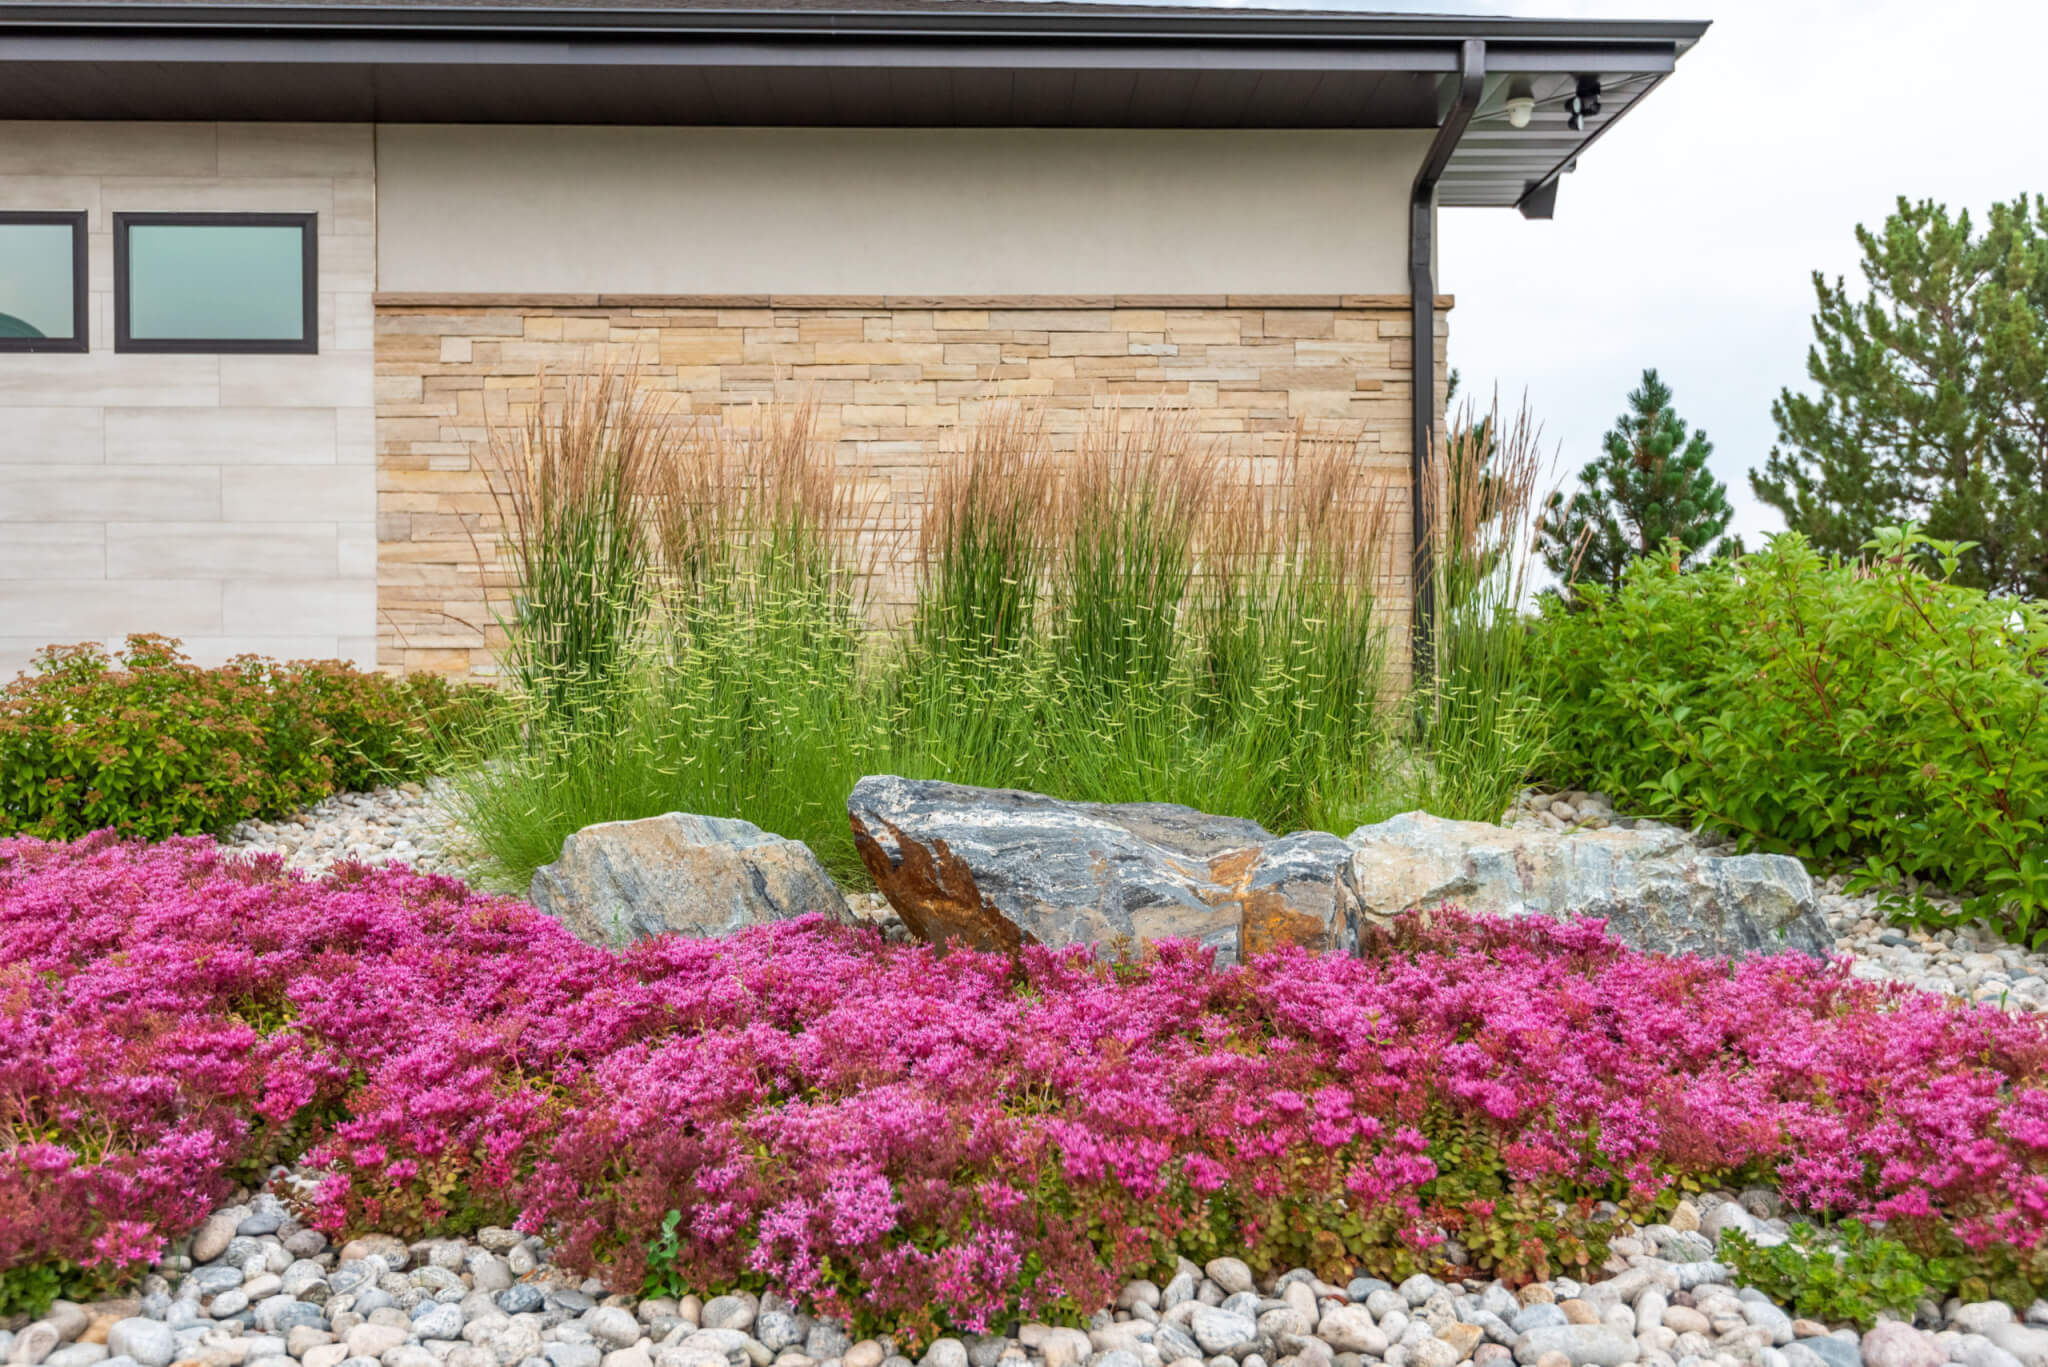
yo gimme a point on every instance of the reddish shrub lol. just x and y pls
(915, 1140)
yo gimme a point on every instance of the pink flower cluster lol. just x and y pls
(914, 1139)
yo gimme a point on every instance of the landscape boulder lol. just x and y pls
(1654, 888)
(996, 868)
(622, 881)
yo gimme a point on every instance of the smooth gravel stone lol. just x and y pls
(1539, 1316)
(729, 1312)
(575, 1302)
(211, 1280)
(1350, 1329)
(438, 1321)
(1230, 1274)
(573, 1354)
(282, 1319)
(777, 1329)
(229, 1303)
(150, 1342)
(1492, 1326)
(280, 1360)
(946, 1352)
(304, 1337)
(260, 1223)
(32, 1344)
(1973, 1351)
(1893, 1344)
(1175, 1343)
(1220, 1331)
(305, 1243)
(2025, 1342)
(488, 1271)
(1120, 1358)
(1769, 1319)
(828, 1341)
(523, 1298)
(76, 1355)
(1246, 1303)
(1383, 1301)
(436, 1278)
(1418, 1289)
(1586, 1345)
(213, 1236)
(521, 1261)
(612, 1326)
(1978, 1317)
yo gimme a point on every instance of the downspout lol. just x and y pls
(1422, 304)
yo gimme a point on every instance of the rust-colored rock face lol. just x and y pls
(934, 892)
(997, 868)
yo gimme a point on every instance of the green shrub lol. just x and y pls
(152, 745)
(1847, 1273)
(1839, 711)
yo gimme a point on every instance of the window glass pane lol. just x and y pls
(216, 282)
(35, 280)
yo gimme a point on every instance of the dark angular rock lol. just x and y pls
(994, 868)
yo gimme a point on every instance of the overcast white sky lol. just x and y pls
(1687, 237)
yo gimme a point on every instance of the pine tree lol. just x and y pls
(1933, 397)
(1650, 485)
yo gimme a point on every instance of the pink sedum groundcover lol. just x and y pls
(911, 1139)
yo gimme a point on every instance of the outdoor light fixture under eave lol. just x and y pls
(1584, 103)
(1521, 104)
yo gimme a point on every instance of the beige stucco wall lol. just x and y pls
(925, 212)
(227, 500)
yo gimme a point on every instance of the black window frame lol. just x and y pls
(81, 315)
(307, 344)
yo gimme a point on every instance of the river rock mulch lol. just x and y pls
(254, 1288)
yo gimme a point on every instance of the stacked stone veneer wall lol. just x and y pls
(224, 499)
(894, 380)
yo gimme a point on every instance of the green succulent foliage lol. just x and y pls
(1648, 492)
(1869, 714)
(1931, 396)
(1847, 1273)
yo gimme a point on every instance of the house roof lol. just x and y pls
(892, 63)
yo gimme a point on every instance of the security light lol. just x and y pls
(1585, 102)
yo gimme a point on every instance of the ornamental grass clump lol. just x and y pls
(922, 1142)
(733, 688)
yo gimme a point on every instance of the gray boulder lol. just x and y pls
(1656, 891)
(996, 868)
(622, 881)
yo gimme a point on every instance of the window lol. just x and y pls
(42, 282)
(215, 282)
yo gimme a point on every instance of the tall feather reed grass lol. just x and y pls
(735, 686)
(1134, 619)
(1482, 731)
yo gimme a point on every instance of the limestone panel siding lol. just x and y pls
(895, 378)
(894, 211)
(229, 500)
